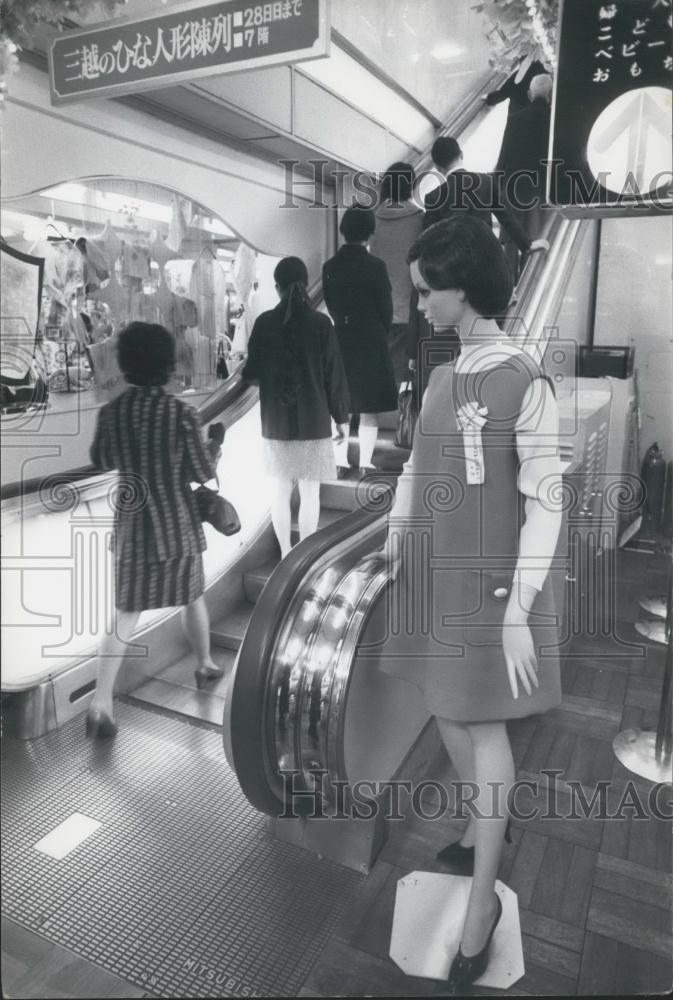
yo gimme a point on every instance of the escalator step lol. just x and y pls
(339, 494)
(229, 631)
(254, 580)
(196, 704)
(328, 515)
(182, 672)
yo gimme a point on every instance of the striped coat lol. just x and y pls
(154, 440)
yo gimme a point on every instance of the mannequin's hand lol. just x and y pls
(519, 650)
(412, 364)
(391, 554)
(539, 245)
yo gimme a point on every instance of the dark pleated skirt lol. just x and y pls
(142, 586)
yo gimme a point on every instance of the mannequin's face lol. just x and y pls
(445, 308)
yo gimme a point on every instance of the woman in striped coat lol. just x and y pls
(154, 440)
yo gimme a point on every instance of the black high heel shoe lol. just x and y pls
(100, 726)
(463, 857)
(204, 674)
(466, 970)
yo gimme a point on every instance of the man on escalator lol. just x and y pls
(471, 193)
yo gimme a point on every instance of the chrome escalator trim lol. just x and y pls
(262, 681)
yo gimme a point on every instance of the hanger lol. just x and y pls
(59, 235)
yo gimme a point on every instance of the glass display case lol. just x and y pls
(116, 251)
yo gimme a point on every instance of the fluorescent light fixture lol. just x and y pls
(447, 50)
(345, 77)
(73, 193)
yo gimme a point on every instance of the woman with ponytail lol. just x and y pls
(294, 357)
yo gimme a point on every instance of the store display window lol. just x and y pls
(115, 251)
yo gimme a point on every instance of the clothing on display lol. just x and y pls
(202, 289)
(108, 244)
(63, 268)
(115, 297)
(160, 251)
(96, 269)
(106, 371)
(135, 260)
(182, 313)
(177, 227)
(221, 301)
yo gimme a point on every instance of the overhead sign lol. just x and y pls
(611, 125)
(182, 43)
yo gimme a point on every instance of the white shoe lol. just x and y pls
(654, 605)
(655, 631)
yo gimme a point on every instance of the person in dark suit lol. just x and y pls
(154, 441)
(471, 193)
(358, 296)
(524, 153)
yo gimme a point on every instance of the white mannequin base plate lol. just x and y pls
(428, 922)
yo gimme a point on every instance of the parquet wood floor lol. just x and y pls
(594, 893)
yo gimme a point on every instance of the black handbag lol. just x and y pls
(407, 416)
(221, 370)
(217, 510)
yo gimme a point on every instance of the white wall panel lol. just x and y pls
(99, 138)
(634, 308)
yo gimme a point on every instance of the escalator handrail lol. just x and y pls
(259, 644)
(219, 400)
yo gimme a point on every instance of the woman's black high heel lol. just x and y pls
(204, 674)
(464, 970)
(463, 857)
(99, 725)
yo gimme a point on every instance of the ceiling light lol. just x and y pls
(446, 50)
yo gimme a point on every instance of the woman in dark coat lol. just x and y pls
(515, 90)
(359, 298)
(293, 356)
(154, 440)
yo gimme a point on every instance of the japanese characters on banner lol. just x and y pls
(632, 39)
(186, 41)
(611, 129)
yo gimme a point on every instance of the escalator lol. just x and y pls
(237, 568)
(320, 689)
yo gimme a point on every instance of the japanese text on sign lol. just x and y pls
(185, 40)
(630, 41)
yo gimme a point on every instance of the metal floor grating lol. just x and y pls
(181, 891)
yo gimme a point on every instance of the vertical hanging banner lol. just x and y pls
(182, 43)
(610, 146)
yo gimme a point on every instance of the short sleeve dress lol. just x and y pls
(461, 539)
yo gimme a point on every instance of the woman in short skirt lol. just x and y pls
(294, 357)
(154, 440)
